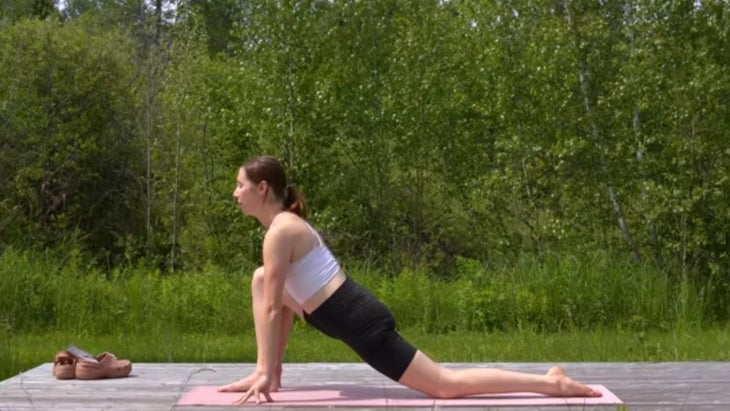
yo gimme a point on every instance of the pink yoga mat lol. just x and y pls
(351, 395)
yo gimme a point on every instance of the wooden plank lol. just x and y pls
(701, 386)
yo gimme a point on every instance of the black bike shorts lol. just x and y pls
(355, 316)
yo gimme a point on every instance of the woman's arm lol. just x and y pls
(259, 314)
(277, 252)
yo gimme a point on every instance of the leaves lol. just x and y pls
(419, 131)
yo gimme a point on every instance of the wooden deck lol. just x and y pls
(691, 386)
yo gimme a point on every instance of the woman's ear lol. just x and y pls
(263, 188)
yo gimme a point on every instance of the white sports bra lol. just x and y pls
(310, 273)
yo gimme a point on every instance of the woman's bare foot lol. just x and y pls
(567, 387)
(244, 384)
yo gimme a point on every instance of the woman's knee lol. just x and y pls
(447, 385)
(442, 389)
(257, 287)
(429, 377)
(257, 281)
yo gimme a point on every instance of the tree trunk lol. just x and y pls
(158, 20)
(596, 133)
(629, 20)
(176, 187)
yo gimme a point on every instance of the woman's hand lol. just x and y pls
(262, 385)
(244, 384)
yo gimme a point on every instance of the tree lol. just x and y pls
(71, 164)
(14, 10)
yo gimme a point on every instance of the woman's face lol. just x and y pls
(247, 193)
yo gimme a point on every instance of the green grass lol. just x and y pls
(40, 294)
(21, 352)
(552, 309)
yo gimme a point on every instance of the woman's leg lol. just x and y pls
(429, 377)
(290, 309)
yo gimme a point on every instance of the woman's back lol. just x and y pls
(313, 271)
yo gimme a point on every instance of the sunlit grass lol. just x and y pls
(22, 352)
(590, 308)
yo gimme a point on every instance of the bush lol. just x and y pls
(41, 293)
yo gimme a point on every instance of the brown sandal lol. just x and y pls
(64, 366)
(108, 366)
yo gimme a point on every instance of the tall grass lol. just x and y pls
(39, 294)
(603, 309)
(546, 295)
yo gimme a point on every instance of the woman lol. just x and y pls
(301, 277)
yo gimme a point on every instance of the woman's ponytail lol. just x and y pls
(294, 202)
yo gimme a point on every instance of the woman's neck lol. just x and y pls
(268, 216)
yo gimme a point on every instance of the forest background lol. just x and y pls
(553, 163)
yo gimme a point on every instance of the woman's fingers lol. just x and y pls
(243, 398)
(254, 392)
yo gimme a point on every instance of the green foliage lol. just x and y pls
(69, 158)
(43, 294)
(423, 134)
(554, 294)
(12, 11)
(607, 307)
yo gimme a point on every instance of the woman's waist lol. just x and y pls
(321, 295)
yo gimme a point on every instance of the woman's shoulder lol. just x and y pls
(288, 224)
(289, 228)
(286, 218)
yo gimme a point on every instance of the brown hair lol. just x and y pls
(269, 169)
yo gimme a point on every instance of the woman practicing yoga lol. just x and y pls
(301, 277)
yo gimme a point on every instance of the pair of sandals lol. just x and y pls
(76, 363)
